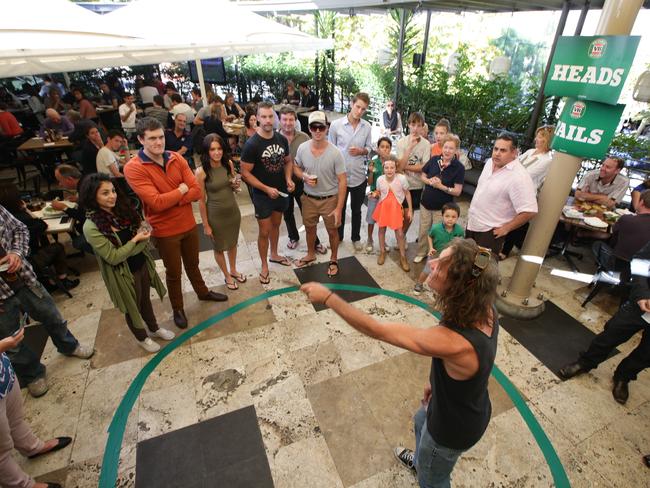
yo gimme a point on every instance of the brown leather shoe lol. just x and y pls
(404, 264)
(213, 296)
(180, 319)
(620, 391)
(381, 258)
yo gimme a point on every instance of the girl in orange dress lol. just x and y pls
(393, 190)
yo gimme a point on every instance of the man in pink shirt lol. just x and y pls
(505, 197)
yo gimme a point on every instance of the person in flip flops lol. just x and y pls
(321, 166)
(14, 431)
(267, 166)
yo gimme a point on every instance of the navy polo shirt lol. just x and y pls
(432, 198)
(173, 143)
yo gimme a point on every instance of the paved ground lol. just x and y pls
(330, 402)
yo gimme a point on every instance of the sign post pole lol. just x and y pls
(515, 298)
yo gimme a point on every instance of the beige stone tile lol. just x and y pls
(309, 330)
(291, 306)
(46, 419)
(580, 406)
(357, 351)
(175, 369)
(316, 363)
(164, 410)
(273, 378)
(262, 342)
(393, 477)
(305, 463)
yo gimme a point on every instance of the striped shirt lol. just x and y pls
(14, 238)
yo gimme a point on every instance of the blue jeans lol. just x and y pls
(433, 462)
(38, 303)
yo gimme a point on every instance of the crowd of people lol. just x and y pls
(124, 202)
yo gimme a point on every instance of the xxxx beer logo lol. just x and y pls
(578, 110)
(597, 48)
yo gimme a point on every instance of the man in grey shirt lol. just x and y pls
(606, 185)
(320, 165)
(352, 135)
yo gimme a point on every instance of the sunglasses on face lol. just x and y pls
(317, 128)
(481, 261)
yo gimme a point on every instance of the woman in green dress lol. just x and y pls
(219, 210)
(120, 243)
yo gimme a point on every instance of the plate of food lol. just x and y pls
(611, 217)
(572, 213)
(596, 222)
(623, 211)
(50, 212)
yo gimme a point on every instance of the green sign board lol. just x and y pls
(591, 68)
(586, 128)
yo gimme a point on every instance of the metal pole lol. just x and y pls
(199, 72)
(426, 38)
(581, 19)
(400, 53)
(539, 103)
(617, 18)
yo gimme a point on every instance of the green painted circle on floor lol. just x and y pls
(108, 475)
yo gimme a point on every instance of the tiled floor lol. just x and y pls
(331, 402)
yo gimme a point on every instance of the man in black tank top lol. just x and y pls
(456, 406)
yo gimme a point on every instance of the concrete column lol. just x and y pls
(617, 18)
(199, 72)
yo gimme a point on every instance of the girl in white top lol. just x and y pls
(537, 160)
(392, 189)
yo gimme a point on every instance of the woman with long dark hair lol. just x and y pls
(456, 405)
(113, 229)
(219, 210)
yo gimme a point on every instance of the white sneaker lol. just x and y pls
(149, 345)
(164, 334)
(369, 246)
(358, 246)
(83, 352)
(418, 259)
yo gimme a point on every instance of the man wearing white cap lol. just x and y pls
(320, 165)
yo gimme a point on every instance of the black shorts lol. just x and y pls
(265, 206)
(416, 196)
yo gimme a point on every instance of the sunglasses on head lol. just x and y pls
(317, 127)
(481, 261)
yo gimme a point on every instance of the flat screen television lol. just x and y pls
(214, 71)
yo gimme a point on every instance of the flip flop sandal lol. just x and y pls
(292, 244)
(285, 261)
(232, 286)
(329, 269)
(321, 249)
(241, 277)
(303, 263)
(264, 279)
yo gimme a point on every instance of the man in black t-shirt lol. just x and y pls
(266, 165)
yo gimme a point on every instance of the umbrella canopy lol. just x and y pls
(56, 35)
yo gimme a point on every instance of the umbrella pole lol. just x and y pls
(199, 71)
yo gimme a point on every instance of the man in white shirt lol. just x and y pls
(413, 152)
(604, 186)
(505, 197)
(180, 107)
(107, 160)
(352, 136)
(127, 112)
(147, 92)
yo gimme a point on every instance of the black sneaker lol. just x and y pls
(405, 456)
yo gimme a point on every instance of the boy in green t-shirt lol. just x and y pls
(440, 235)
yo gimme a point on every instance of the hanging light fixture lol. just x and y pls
(500, 66)
(452, 63)
(641, 91)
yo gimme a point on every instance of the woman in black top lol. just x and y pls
(456, 406)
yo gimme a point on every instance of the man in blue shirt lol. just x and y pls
(352, 136)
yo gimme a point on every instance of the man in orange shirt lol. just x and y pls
(166, 185)
(9, 126)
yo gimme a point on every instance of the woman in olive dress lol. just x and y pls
(219, 210)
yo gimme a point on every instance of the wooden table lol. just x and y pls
(39, 144)
(574, 225)
(54, 224)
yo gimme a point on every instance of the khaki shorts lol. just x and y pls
(313, 208)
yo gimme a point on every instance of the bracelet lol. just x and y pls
(327, 298)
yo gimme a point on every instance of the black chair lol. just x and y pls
(608, 266)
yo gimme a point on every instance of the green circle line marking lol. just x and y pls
(108, 475)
